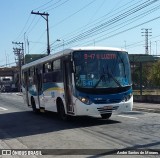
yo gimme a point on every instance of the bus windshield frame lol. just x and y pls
(105, 70)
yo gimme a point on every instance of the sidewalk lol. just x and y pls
(146, 107)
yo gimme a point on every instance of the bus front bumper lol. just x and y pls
(82, 109)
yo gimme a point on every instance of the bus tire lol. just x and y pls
(106, 116)
(35, 110)
(61, 110)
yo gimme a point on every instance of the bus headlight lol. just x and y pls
(127, 97)
(85, 100)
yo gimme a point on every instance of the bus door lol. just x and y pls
(38, 82)
(25, 86)
(68, 87)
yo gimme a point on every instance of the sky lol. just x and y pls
(117, 23)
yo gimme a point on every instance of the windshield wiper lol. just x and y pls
(114, 79)
(102, 76)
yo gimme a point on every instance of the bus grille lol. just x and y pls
(107, 101)
(104, 110)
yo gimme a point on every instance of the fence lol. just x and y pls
(145, 70)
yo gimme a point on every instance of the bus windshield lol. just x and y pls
(101, 69)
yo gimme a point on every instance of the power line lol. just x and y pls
(110, 22)
(23, 27)
(100, 28)
(73, 13)
(99, 20)
(55, 6)
(126, 23)
(38, 8)
(29, 29)
(130, 28)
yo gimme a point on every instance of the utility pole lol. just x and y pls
(146, 34)
(25, 43)
(28, 44)
(19, 53)
(45, 16)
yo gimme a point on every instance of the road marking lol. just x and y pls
(146, 109)
(128, 116)
(2, 109)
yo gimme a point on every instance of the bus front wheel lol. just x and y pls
(106, 116)
(34, 106)
(61, 111)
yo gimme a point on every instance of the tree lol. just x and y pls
(154, 75)
(136, 73)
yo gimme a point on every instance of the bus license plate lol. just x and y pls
(108, 107)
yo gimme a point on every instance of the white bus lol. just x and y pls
(82, 81)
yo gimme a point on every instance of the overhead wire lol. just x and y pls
(109, 23)
(71, 15)
(29, 30)
(129, 29)
(47, 8)
(23, 28)
(95, 28)
(46, 4)
(127, 22)
(135, 43)
(31, 26)
(99, 20)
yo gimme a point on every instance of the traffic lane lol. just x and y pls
(87, 133)
(132, 129)
(121, 132)
(12, 102)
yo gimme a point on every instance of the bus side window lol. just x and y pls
(47, 75)
(31, 75)
(57, 71)
(56, 65)
(48, 67)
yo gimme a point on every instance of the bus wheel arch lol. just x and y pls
(61, 109)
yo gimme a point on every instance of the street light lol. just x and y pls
(62, 41)
(57, 40)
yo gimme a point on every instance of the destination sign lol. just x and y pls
(100, 56)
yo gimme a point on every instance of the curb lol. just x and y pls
(147, 110)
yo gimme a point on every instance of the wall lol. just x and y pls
(147, 98)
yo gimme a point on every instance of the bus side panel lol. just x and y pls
(25, 96)
(25, 87)
(127, 106)
(51, 93)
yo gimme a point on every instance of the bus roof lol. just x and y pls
(67, 51)
(97, 48)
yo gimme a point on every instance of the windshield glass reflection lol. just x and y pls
(101, 69)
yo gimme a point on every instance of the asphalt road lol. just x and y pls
(20, 128)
